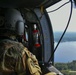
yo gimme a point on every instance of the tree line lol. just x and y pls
(66, 66)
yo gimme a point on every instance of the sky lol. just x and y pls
(60, 17)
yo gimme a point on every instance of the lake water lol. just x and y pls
(66, 52)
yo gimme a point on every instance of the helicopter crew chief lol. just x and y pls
(14, 57)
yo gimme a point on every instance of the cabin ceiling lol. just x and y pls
(27, 3)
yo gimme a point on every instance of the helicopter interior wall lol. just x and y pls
(45, 32)
(31, 19)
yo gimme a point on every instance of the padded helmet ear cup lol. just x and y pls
(20, 27)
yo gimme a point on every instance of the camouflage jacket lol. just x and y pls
(14, 57)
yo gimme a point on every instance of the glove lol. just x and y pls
(51, 73)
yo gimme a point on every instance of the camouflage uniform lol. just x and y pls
(14, 57)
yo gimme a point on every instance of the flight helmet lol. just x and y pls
(13, 21)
